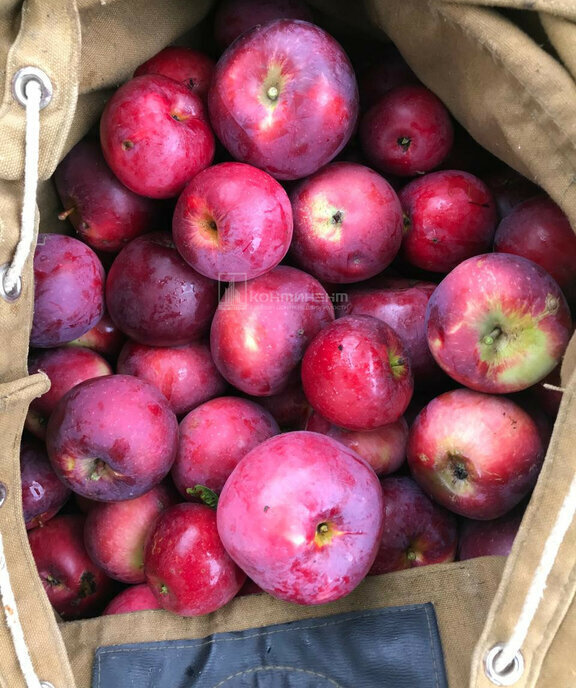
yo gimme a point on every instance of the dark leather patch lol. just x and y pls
(396, 647)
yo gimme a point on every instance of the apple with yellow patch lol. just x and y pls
(303, 516)
(498, 323)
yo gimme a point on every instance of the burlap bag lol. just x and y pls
(512, 95)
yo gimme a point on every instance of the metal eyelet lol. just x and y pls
(3, 493)
(510, 675)
(9, 295)
(26, 74)
(45, 684)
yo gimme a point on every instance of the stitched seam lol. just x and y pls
(432, 647)
(282, 668)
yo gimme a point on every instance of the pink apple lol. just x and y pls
(347, 223)
(112, 438)
(476, 454)
(498, 323)
(262, 327)
(43, 493)
(134, 598)
(383, 448)
(190, 67)
(104, 338)
(356, 373)
(155, 135)
(103, 211)
(186, 564)
(214, 437)
(407, 132)
(417, 532)
(115, 533)
(75, 586)
(66, 367)
(68, 290)
(233, 222)
(289, 408)
(489, 538)
(284, 98)
(186, 375)
(448, 216)
(302, 515)
(156, 298)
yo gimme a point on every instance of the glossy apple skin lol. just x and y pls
(498, 323)
(262, 327)
(156, 298)
(43, 493)
(407, 132)
(383, 448)
(66, 366)
(476, 454)
(135, 598)
(115, 532)
(401, 303)
(448, 216)
(537, 229)
(104, 338)
(214, 437)
(315, 108)
(235, 17)
(344, 237)
(76, 587)
(112, 438)
(417, 532)
(489, 538)
(186, 564)
(389, 72)
(233, 222)
(155, 135)
(191, 68)
(105, 213)
(509, 188)
(356, 373)
(186, 375)
(276, 501)
(68, 290)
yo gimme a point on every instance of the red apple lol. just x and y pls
(498, 323)
(186, 564)
(104, 338)
(489, 538)
(537, 229)
(476, 454)
(302, 515)
(155, 135)
(155, 298)
(75, 586)
(115, 533)
(284, 98)
(407, 132)
(509, 188)
(43, 493)
(66, 367)
(417, 532)
(68, 290)
(347, 223)
(213, 439)
(233, 222)
(448, 216)
(190, 67)
(186, 375)
(262, 327)
(235, 17)
(383, 448)
(135, 598)
(289, 408)
(547, 393)
(103, 211)
(356, 373)
(112, 438)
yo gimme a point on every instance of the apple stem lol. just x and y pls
(322, 528)
(272, 93)
(489, 339)
(65, 213)
(404, 142)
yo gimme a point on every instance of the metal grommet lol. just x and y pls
(3, 493)
(510, 675)
(45, 684)
(9, 295)
(26, 74)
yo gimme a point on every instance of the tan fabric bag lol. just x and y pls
(514, 97)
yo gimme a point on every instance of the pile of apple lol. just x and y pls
(331, 366)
